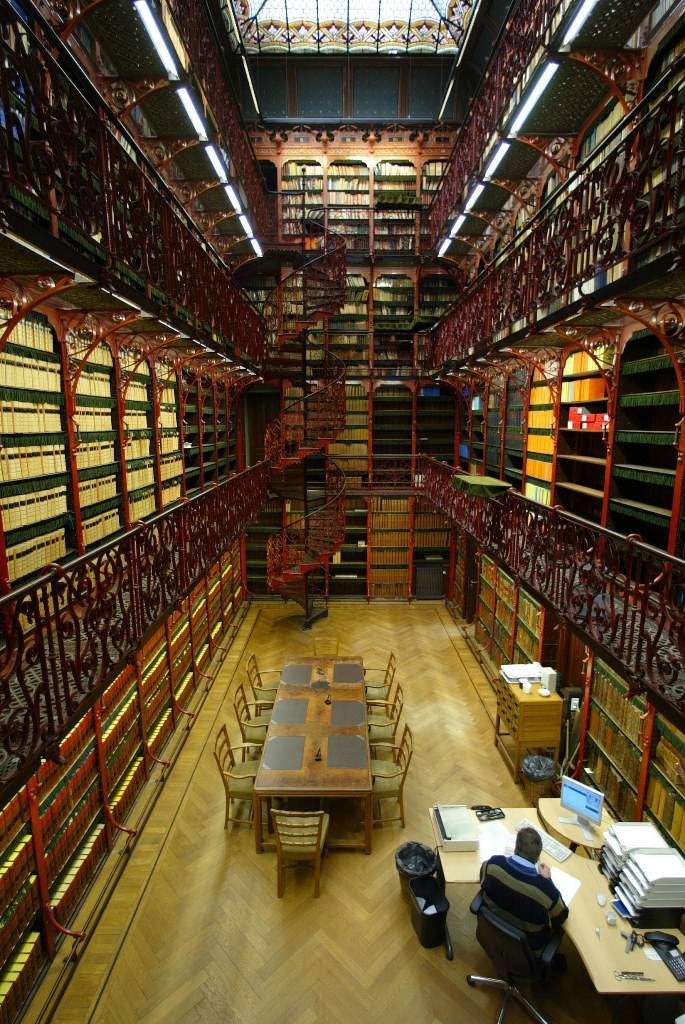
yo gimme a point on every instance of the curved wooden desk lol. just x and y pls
(549, 812)
(601, 954)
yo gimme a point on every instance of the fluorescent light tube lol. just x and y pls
(445, 246)
(473, 198)
(499, 155)
(156, 38)
(192, 112)
(256, 246)
(216, 162)
(233, 198)
(457, 225)
(582, 14)
(447, 96)
(543, 81)
(247, 227)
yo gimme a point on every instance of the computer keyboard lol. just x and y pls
(549, 845)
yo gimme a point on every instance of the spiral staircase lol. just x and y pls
(296, 442)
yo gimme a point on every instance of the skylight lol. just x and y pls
(354, 26)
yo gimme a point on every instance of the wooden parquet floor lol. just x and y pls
(195, 933)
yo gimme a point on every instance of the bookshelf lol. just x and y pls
(514, 411)
(347, 570)
(139, 452)
(354, 314)
(493, 432)
(583, 430)
(389, 548)
(430, 544)
(170, 457)
(394, 188)
(477, 435)
(665, 796)
(353, 442)
(348, 202)
(486, 602)
(457, 605)
(644, 463)
(34, 484)
(191, 404)
(431, 173)
(393, 303)
(437, 293)
(435, 422)
(539, 441)
(305, 178)
(529, 628)
(392, 420)
(208, 431)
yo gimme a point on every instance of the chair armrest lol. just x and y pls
(270, 671)
(476, 902)
(388, 775)
(379, 703)
(385, 745)
(550, 950)
(246, 746)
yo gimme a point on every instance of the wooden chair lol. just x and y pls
(379, 690)
(389, 776)
(237, 776)
(300, 836)
(326, 647)
(264, 691)
(384, 717)
(252, 721)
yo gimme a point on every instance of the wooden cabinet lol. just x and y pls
(526, 723)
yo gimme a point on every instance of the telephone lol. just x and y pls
(667, 948)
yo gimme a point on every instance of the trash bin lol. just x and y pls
(428, 911)
(414, 860)
(538, 774)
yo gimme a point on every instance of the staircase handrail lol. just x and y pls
(274, 437)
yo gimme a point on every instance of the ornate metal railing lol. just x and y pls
(305, 544)
(64, 636)
(624, 597)
(198, 36)
(621, 203)
(67, 167)
(306, 424)
(521, 36)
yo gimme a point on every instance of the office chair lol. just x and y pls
(511, 954)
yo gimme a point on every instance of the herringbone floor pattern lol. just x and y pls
(195, 932)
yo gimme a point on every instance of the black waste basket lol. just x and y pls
(414, 860)
(428, 911)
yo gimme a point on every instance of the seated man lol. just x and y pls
(521, 893)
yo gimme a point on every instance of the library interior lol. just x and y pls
(342, 458)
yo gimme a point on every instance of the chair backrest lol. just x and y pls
(395, 709)
(240, 703)
(223, 755)
(253, 671)
(326, 647)
(297, 832)
(390, 670)
(506, 945)
(405, 751)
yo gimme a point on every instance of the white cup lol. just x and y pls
(526, 686)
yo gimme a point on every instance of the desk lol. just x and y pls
(601, 956)
(317, 743)
(549, 810)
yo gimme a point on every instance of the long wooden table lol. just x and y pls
(602, 954)
(317, 743)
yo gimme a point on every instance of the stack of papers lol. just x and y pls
(517, 673)
(652, 878)
(622, 839)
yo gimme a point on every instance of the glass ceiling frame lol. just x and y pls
(348, 27)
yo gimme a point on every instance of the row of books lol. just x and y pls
(668, 807)
(17, 417)
(16, 371)
(604, 776)
(610, 692)
(615, 746)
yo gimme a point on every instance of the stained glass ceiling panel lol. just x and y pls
(353, 26)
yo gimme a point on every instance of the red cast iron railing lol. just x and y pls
(623, 202)
(521, 36)
(64, 168)
(304, 545)
(64, 636)
(624, 597)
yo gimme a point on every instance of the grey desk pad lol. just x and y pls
(289, 712)
(283, 753)
(348, 673)
(348, 712)
(346, 752)
(296, 675)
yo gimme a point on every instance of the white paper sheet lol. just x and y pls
(494, 838)
(567, 885)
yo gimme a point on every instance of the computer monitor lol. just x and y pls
(584, 801)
